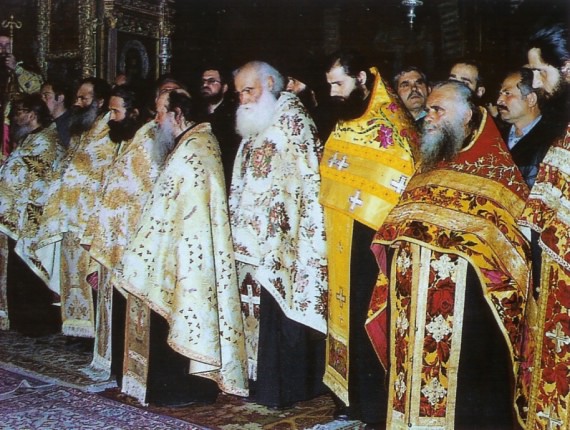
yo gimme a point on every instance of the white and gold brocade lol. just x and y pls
(180, 262)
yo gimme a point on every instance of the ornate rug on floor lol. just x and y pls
(234, 413)
(31, 404)
(52, 358)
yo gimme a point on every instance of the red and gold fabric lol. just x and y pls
(543, 388)
(464, 211)
(366, 165)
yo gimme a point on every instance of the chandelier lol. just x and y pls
(411, 4)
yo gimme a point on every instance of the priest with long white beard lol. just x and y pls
(279, 239)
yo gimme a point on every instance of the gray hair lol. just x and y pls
(264, 71)
(465, 96)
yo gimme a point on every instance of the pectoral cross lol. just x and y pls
(249, 299)
(355, 201)
(399, 185)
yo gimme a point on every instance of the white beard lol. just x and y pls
(253, 118)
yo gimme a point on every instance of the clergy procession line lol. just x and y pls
(399, 246)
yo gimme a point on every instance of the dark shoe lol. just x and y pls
(377, 426)
(341, 413)
(280, 407)
(177, 404)
(79, 344)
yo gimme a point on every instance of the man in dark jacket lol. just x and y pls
(528, 134)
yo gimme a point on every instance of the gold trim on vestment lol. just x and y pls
(137, 349)
(339, 242)
(464, 182)
(477, 226)
(366, 165)
(553, 413)
(411, 419)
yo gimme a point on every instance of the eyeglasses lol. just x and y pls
(210, 81)
(21, 110)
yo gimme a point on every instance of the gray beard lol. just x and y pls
(254, 118)
(441, 145)
(20, 132)
(83, 119)
(163, 142)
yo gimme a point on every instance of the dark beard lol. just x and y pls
(123, 130)
(19, 132)
(350, 108)
(556, 107)
(82, 119)
(443, 146)
(212, 99)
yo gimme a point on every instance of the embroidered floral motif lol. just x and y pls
(261, 159)
(400, 385)
(385, 136)
(434, 391)
(404, 262)
(277, 221)
(402, 323)
(438, 328)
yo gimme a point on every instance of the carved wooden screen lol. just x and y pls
(68, 38)
(134, 33)
(80, 38)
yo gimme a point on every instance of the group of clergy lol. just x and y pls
(387, 253)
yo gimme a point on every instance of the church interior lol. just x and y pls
(42, 386)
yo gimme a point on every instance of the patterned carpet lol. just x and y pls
(50, 358)
(53, 359)
(234, 413)
(61, 408)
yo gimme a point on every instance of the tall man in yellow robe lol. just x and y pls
(180, 263)
(543, 392)
(24, 180)
(458, 277)
(71, 202)
(126, 187)
(366, 165)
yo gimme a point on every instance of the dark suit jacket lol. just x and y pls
(223, 127)
(531, 149)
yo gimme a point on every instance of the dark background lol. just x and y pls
(289, 33)
(295, 33)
